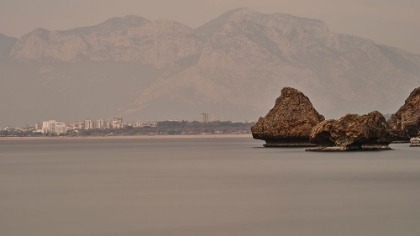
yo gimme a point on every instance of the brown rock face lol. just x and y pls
(352, 132)
(405, 123)
(290, 121)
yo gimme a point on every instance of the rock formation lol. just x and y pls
(352, 132)
(289, 123)
(405, 123)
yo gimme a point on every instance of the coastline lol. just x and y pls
(132, 137)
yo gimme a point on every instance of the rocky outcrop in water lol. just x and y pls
(405, 123)
(352, 132)
(289, 123)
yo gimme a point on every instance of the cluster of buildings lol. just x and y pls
(53, 127)
(205, 118)
(58, 128)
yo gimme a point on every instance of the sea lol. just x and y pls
(203, 186)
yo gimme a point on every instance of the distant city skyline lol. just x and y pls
(115, 122)
(394, 23)
(104, 127)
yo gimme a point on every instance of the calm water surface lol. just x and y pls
(226, 186)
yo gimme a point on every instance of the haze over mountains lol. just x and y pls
(234, 66)
(6, 45)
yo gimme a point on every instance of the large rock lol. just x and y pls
(352, 132)
(405, 123)
(290, 121)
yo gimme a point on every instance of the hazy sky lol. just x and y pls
(392, 22)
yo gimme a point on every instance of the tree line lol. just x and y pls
(162, 128)
(173, 128)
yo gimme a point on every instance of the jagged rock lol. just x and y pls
(415, 142)
(290, 121)
(405, 123)
(352, 132)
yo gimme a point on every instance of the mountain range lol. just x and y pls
(233, 66)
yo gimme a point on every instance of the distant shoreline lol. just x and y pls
(133, 137)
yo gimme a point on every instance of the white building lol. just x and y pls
(38, 126)
(60, 128)
(89, 124)
(54, 127)
(101, 124)
(204, 118)
(117, 123)
(141, 124)
(48, 127)
(78, 125)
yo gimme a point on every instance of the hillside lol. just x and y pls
(234, 66)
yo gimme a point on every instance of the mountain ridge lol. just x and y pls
(234, 65)
(112, 40)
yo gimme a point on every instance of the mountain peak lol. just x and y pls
(209, 29)
(240, 11)
(277, 20)
(113, 24)
(129, 38)
(40, 32)
(128, 20)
